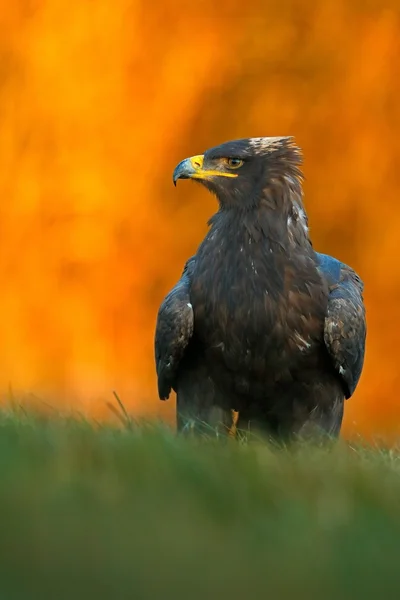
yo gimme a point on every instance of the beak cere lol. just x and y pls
(189, 168)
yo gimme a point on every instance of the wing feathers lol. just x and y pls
(174, 330)
(345, 328)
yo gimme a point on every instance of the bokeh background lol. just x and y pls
(98, 102)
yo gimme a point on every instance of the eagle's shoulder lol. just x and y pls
(337, 272)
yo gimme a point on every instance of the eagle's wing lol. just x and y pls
(174, 329)
(345, 325)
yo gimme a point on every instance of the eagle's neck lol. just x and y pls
(274, 217)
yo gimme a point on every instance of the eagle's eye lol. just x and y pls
(234, 163)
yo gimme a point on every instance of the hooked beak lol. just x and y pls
(192, 168)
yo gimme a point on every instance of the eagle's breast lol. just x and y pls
(257, 312)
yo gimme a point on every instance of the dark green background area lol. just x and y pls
(96, 512)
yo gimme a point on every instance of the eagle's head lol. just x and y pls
(242, 172)
(260, 175)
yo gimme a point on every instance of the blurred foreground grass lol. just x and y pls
(89, 511)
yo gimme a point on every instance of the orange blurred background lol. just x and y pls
(100, 100)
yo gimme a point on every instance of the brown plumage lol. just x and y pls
(259, 322)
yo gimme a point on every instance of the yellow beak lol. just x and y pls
(192, 168)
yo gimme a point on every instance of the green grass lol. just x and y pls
(136, 512)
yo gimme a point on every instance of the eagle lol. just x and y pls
(259, 323)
